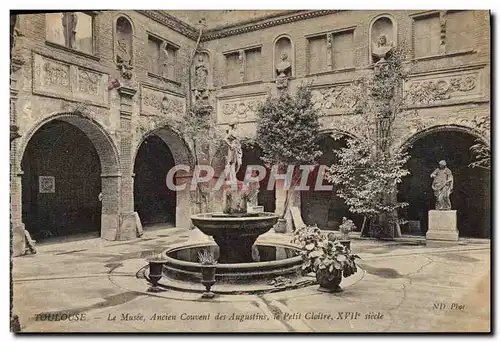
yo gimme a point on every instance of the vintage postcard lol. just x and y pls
(250, 171)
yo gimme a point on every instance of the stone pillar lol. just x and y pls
(16, 219)
(442, 225)
(184, 204)
(110, 219)
(128, 229)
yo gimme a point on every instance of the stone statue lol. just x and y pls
(164, 60)
(442, 186)
(123, 59)
(69, 21)
(201, 72)
(201, 80)
(235, 154)
(284, 68)
(382, 49)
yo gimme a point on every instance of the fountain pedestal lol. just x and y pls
(235, 249)
(235, 234)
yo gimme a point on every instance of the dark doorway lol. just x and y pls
(324, 208)
(61, 182)
(154, 202)
(471, 193)
(252, 156)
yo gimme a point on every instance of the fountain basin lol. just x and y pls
(235, 234)
(274, 259)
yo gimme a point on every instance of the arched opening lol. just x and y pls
(324, 208)
(252, 156)
(61, 183)
(156, 204)
(471, 192)
(153, 200)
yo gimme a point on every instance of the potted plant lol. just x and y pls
(325, 256)
(156, 263)
(345, 228)
(208, 267)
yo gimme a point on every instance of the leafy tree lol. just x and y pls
(287, 130)
(481, 151)
(370, 168)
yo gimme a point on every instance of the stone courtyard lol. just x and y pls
(404, 286)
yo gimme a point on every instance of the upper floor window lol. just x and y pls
(162, 58)
(459, 30)
(427, 35)
(74, 30)
(243, 66)
(343, 49)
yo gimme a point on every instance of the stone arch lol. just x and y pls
(276, 54)
(470, 195)
(180, 149)
(161, 205)
(382, 24)
(409, 140)
(104, 144)
(324, 208)
(109, 161)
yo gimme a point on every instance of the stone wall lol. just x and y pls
(117, 106)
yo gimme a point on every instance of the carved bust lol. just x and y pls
(284, 68)
(381, 49)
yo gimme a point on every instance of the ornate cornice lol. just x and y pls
(234, 29)
(262, 23)
(171, 22)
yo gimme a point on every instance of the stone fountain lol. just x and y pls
(240, 259)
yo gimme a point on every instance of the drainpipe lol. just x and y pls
(201, 22)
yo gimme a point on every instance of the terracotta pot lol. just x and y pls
(208, 280)
(329, 282)
(280, 227)
(155, 273)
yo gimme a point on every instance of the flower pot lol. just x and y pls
(208, 280)
(155, 274)
(346, 244)
(329, 282)
(280, 227)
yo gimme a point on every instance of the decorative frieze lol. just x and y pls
(337, 97)
(63, 80)
(431, 89)
(157, 102)
(239, 109)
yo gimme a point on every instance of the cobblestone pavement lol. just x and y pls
(405, 287)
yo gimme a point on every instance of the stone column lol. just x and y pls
(128, 225)
(16, 219)
(442, 225)
(184, 206)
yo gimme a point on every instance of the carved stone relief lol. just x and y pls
(63, 80)
(159, 103)
(337, 97)
(439, 89)
(239, 109)
(124, 47)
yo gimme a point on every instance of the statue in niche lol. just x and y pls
(123, 58)
(284, 67)
(284, 72)
(201, 79)
(69, 21)
(442, 186)
(382, 49)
